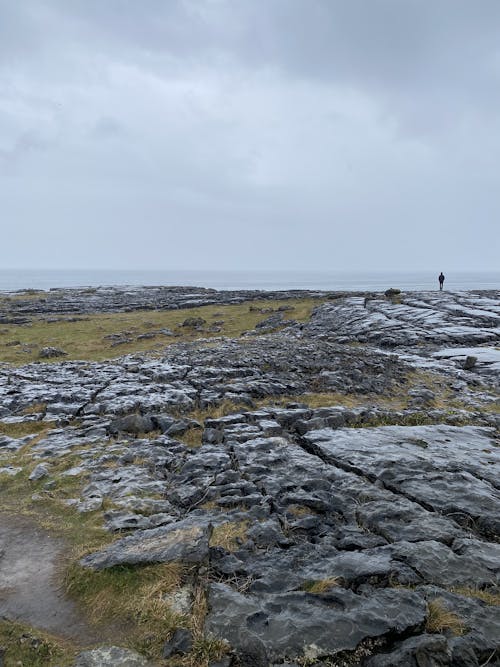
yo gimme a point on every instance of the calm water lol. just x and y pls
(11, 279)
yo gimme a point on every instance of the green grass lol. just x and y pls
(50, 511)
(26, 647)
(86, 340)
(21, 429)
(319, 586)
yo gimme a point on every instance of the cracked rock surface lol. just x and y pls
(350, 521)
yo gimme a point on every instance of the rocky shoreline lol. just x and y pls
(341, 508)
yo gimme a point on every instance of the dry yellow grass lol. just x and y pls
(205, 650)
(300, 510)
(136, 601)
(192, 437)
(133, 599)
(441, 619)
(491, 598)
(226, 407)
(229, 535)
(35, 409)
(329, 399)
(316, 587)
(21, 429)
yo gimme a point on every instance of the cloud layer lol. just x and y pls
(250, 134)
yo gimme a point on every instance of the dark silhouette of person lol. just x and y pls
(441, 280)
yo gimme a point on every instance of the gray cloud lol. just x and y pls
(258, 133)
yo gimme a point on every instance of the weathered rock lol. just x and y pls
(478, 642)
(470, 362)
(185, 540)
(272, 322)
(457, 467)
(134, 424)
(112, 656)
(300, 625)
(38, 472)
(180, 643)
(180, 426)
(322, 516)
(51, 352)
(122, 520)
(194, 322)
(421, 651)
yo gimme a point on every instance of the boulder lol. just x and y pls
(470, 362)
(180, 643)
(39, 472)
(134, 424)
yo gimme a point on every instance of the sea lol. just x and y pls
(45, 279)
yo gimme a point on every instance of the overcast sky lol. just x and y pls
(309, 134)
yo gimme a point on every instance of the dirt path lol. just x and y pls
(29, 589)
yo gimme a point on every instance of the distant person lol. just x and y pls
(441, 280)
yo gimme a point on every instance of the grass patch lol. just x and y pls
(222, 409)
(440, 619)
(205, 651)
(130, 595)
(33, 648)
(229, 535)
(135, 600)
(331, 399)
(491, 598)
(21, 429)
(491, 408)
(435, 382)
(192, 437)
(131, 601)
(50, 510)
(34, 409)
(300, 511)
(86, 338)
(318, 586)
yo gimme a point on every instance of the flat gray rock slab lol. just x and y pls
(266, 628)
(185, 540)
(461, 318)
(452, 470)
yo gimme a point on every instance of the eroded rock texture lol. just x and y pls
(348, 524)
